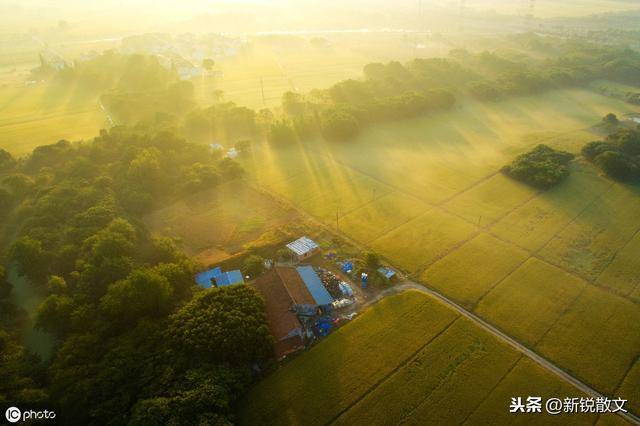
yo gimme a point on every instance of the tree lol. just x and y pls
(542, 167)
(54, 315)
(253, 265)
(144, 293)
(57, 285)
(6, 160)
(31, 259)
(339, 125)
(610, 119)
(225, 324)
(617, 166)
(18, 184)
(293, 103)
(145, 171)
(281, 133)
(5, 286)
(208, 64)
(230, 169)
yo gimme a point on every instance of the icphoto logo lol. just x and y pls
(13, 414)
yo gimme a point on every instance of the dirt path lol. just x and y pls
(543, 362)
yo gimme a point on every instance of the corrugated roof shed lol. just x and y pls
(295, 286)
(314, 285)
(386, 272)
(283, 322)
(229, 278)
(302, 245)
(203, 279)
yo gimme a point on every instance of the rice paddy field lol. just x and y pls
(43, 113)
(407, 358)
(556, 269)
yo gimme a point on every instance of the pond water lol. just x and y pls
(28, 298)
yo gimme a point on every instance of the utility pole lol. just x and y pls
(337, 218)
(264, 102)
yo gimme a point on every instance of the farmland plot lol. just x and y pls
(589, 243)
(423, 240)
(630, 387)
(527, 379)
(623, 273)
(530, 300)
(378, 217)
(595, 339)
(490, 200)
(469, 272)
(43, 114)
(533, 224)
(446, 379)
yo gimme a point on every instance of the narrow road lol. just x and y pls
(543, 362)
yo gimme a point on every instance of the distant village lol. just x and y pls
(306, 296)
(187, 54)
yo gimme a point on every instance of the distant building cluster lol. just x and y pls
(51, 59)
(185, 52)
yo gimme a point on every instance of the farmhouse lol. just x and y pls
(303, 247)
(222, 279)
(291, 294)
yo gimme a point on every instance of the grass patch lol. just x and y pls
(530, 300)
(469, 272)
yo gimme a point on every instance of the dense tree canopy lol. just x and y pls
(618, 155)
(115, 295)
(542, 167)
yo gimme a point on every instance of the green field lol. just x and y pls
(595, 338)
(553, 269)
(43, 113)
(406, 359)
(470, 272)
(530, 300)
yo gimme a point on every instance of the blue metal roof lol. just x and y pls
(314, 285)
(203, 279)
(229, 278)
(387, 272)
